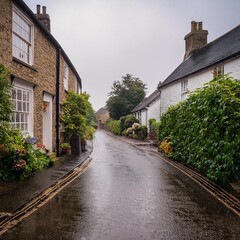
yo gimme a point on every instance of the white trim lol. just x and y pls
(47, 121)
(27, 87)
(184, 89)
(15, 35)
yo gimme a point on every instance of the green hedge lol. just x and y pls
(204, 130)
(114, 126)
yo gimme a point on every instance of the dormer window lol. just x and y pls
(218, 71)
(184, 89)
(22, 37)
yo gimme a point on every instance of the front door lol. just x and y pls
(47, 121)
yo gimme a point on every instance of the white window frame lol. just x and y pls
(184, 89)
(22, 38)
(65, 76)
(22, 117)
(218, 71)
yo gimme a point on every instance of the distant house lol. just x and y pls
(149, 108)
(41, 72)
(102, 115)
(201, 63)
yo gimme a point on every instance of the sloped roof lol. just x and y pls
(147, 101)
(223, 48)
(23, 5)
(102, 110)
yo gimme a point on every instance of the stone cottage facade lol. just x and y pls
(102, 115)
(201, 63)
(41, 72)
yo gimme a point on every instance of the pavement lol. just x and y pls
(14, 195)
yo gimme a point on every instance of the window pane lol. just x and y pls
(24, 107)
(22, 39)
(24, 96)
(17, 117)
(19, 94)
(19, 106)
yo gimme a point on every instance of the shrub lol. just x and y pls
(205, 129)
(20, 159)
(141, 132)
(166, 147)
(114, 126)
(127, 122)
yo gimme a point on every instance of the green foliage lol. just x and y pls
(76, 109)
(151, 121)
(155, 126)
(89, 133)
(127, 122)
(5, 103)
(114, 126)
(91, 116)
(141, 133)
(204, 130)
(18, 158)
(125, 95)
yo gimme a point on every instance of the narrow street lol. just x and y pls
(129, 193)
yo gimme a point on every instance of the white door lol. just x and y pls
(47, 121)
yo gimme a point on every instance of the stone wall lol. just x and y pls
(41, 75)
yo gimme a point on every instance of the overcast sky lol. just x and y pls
(106, 39)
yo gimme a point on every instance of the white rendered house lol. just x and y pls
(202, 61)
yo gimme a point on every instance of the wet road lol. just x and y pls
(129, 193)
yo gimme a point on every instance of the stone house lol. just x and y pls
(202, 61)
(41, 72)
(149, 108)
(102, 115)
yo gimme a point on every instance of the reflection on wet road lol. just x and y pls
(126, 194)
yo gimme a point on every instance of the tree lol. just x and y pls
(74, 115)
(125, 95)
(5, 103)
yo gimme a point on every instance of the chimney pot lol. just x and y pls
(193, 26)
(43, 17)
(200, 26)
(44, 9)
(38, 9)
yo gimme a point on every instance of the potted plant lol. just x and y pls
(65, 148)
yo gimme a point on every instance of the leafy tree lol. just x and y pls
(5, 103)
(91, 117)
(125, 95)
(74, 117)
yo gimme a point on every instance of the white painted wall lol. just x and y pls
(233, 67)
(171, 94)
(153, 111)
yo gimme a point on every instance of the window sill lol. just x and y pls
(24, 64)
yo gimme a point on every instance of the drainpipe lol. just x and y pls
(58, 101)
(147, 118)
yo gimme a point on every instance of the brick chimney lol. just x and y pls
(196, 39)
(43, 17)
